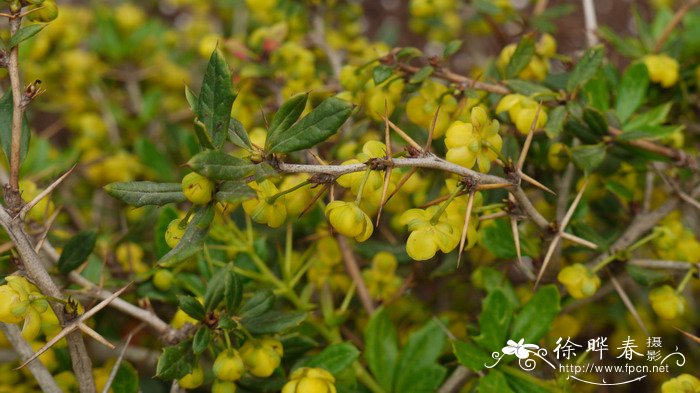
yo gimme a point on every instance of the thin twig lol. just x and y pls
(591, 22)
(354, 271)
(628, 303)
(671, 26)
(118, 363)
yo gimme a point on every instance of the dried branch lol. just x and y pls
(591, 22)
(12, 195)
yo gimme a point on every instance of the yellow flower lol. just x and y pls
(263, 210)
(522, 111)
(579, 280)
(261, 357)
(684, 383)
(666, 302)
(310, 380)
(349, 220)
(298, 199)
(421, 108)
(198, 189)
(473, 143)
(662, 69)
(427, 236)
(228, 366)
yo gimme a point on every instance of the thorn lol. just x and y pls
(87, 330)
(385, 188)
(492, 186)
(432, 130)
(492, 216)
(403, 135)
(403, 181)
(547, 258)
(572, 208)
(435, 201)
(117, 364)
(689, 335)
(313, 200)
(528, 141)
(689, 199)
(25, 209)
(628, 303)
(465, 228)
(516, 238)
(49, 224)
(317, 158)
(536, 183)
(578, 240)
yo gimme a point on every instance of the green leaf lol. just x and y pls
(238, 135)
(451, 48)
(76, 251)
(530, 89)
(143, 193)
(494, 381)
(595, 121)
(498, 239)
(314, 128)
(588, 157)
(234, 192)
(176, 361)
(471, 356)
(649, 132)
(215, 289)
(24, 34)
(258, 304)
(203, 137)
(646, 277)
(620, 190)
(632, 91)
(126, 380)
(287, 115)
(273, 322)
(335, 358)
(381, 73)
(423, 348)
(409, 52)
(191, 306)
(653, 117)
(216, 99)
(6, 110)
(535, 319)
(597, 93)
(422, 380)
(555, 122)
(381, 348)
(494, 320)
(421, 75)
(585, 69)
(521, 57)
(233, 291)
(191, 242)
(192, 99)
(201, 340)
(218, 165)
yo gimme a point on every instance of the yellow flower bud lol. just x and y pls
(192, 380)
(662, 69)
(174, 232)
(684, 383)
(260, 360)
(666, 302)
(223, 387)
(264, 210)
(228, 366)
(579, 281)
(310, 380)
(198, 189)
(558, 156)
(349, 220)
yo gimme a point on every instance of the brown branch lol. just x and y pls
(679, 157)
(677, 18)
(82, 365)
(12, 197)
